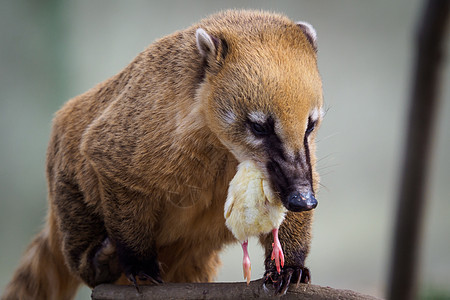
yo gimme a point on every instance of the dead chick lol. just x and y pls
(252, 209)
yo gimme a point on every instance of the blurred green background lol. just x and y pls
(51, 51)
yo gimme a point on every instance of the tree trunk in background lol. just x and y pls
(405, 260)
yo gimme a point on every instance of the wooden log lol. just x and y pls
(227, 290)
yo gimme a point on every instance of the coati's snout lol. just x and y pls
(292, 181)
(301, 201)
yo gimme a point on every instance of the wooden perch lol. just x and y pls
(228, 290)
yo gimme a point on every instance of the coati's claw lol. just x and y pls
(304, 276)
(144, 276)
(297, 278)
(133, 280)
(288, 275)
(281, 281)
(137, 268)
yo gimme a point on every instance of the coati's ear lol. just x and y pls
(205, 43)
(212, 49)
(310, 33)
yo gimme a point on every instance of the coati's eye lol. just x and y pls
(258, 129)
(311, 126)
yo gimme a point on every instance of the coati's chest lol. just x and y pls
(196, 212)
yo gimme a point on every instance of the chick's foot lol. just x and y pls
(277, 251)
(246, 263)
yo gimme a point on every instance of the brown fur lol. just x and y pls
(145, 157)
(42, 273)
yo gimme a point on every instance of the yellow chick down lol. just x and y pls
(251, 207)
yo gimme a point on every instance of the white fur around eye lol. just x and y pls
(252, 140)
(257, 117)
(229, 117)
(316, 114)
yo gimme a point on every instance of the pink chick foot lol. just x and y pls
(277, 251)
(246, 263)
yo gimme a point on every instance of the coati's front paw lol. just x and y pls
(288, 275)
(106, 263)
(143, 274)
(134, 267)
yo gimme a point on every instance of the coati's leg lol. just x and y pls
(130, 218)
(295, 238)
(85, 246)
(189, 261)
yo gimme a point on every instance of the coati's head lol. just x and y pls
(262, 96)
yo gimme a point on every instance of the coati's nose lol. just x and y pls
(301, 201)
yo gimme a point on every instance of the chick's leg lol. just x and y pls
(277, 251)
(246, 263)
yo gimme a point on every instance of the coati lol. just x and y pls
(138, 167)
